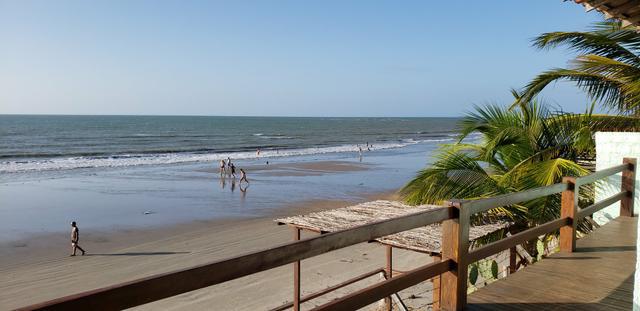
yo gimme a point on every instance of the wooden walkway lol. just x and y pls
(597, 276)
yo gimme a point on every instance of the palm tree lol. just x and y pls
(517, 149)
(607, 67)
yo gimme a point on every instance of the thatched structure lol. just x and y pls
(628, 11)
(425, 239)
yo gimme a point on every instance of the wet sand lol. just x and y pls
(314, 168)
(40, 269)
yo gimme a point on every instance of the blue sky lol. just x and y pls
(285, 58)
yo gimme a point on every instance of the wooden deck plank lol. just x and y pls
(597, 276)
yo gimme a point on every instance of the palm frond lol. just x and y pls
(608, 39)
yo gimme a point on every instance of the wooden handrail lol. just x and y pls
(383, 289)
(516, 239)
(330, 289)
(591, 209)
(481, 205)
(601, 174)
(453, 267)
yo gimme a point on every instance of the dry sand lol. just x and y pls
(39, 269)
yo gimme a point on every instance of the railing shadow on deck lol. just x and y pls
(622, 248)
(452, 269)
(610, 300)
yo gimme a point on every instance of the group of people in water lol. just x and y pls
(227, 168)
(367, 146)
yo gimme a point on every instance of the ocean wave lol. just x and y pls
(125, 160)
(277, 137)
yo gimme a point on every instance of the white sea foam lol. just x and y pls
(56, 164)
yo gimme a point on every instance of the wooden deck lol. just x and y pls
(597, 276)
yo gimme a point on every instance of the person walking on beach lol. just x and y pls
(243, 176)
(233, 170)
(75, 237)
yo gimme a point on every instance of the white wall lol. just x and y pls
(610, 149)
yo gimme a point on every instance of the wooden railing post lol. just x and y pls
(628, 185)
(455, 246)
(568, 209)
(296, 275)
(435, 294)
(513, 260)
(389, 272)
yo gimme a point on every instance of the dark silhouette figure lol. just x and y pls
(233, 170)
(243, 176)
(75, 237)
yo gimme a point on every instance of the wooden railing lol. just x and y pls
(456, 256)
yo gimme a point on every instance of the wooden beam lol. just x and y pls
(389, 274)
(516, 239)
(327, 290)
(568, 210)
(481, 205)
(621, 10)
(455, 245)
(395, 297)
(383, 289)
(600, 174)
(435, 293)
(628, 186)
(513, 260)
(589, 210)
(296, 275)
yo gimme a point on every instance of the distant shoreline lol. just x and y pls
(225, 116)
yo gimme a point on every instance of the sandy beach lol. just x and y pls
(43, 270)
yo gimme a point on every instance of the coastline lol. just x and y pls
(121, 256)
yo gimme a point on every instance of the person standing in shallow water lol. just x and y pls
(222, 167)
(75, 237)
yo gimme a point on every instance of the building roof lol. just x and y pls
(424, 239)
(628, 11)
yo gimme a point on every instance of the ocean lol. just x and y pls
(113, 173)
(53, 143)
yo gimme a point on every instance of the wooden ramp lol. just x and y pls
(597, 276)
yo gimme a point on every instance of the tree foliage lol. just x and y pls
(607, 67)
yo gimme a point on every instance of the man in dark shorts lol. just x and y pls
(75, 237)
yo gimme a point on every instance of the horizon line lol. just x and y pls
(203, 115)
